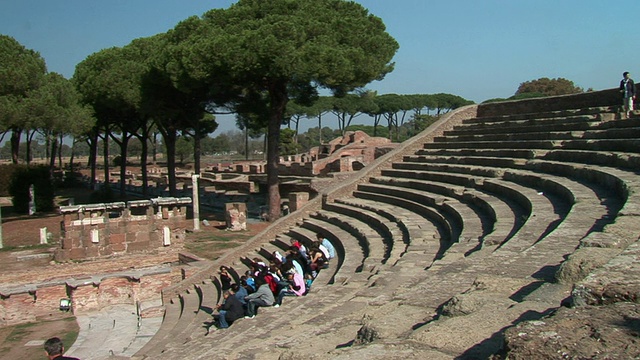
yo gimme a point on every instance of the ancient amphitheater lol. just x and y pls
(504, 228)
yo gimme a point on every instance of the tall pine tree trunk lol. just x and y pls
(197, 152)
(15, 144)
(105, 159)
(278, 103)
(60, 140)
(170, 138)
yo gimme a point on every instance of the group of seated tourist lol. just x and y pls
(288, 274)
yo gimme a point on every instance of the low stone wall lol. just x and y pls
(96, 230)
(29, 302)
(609, 97)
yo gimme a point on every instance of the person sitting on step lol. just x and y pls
(326, 244)
(240, 292)
(318, 261)
(300, 262)
(225, 278)
(296, 287)
(229, 311)
(262, 297)
(301, 248)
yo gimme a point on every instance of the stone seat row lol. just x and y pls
(595, 123)
(462, 210)
(556, 114)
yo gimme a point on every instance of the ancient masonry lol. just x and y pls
(95, 230)
(461, 243)
(103, 230)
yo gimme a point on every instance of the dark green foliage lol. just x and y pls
(549, 87)
(72, 180)
(288, 144)
(23, 177)
(6, 173)
(104, 195)
(117, 161)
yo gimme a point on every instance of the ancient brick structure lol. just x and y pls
(28, 302)
(92, 231)
(351, 152)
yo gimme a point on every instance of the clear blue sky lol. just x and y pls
(477, 49)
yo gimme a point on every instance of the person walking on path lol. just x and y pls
(628, 90)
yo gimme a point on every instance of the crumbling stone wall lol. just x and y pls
(96, 230)
(29, 302)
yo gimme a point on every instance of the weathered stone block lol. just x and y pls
(117, 239)
(138, 246)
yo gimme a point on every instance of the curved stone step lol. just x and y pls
(557, 114)
(423, 215)
(572, 122)
(370, 240)
(173, 310)
(389, 231)
(524, 136)
(461, 215)
(351, 254)
(608, 178)
(588, 157)
(573, 192)
(621, 145)
(190, 307)
(564, 188)
(530, 200)
(420, 253)
(332, 313)
(210, 295)
(500, 217)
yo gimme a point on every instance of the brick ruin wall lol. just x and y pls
(93, 231)
(97, 230)
(28, 303)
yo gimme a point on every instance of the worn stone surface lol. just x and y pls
(590, 332)
(584, 261)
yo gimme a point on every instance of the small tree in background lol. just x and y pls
(548, 87)
(43, 189)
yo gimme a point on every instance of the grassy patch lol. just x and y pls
(13, 343)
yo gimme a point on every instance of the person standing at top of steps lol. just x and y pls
(628, 90)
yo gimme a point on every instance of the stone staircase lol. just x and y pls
(486, 220)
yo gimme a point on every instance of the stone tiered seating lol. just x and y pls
(484, 221)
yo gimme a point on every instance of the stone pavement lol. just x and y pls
(113, 331)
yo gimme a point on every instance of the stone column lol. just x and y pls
(236, 216)
(1, 243)
(196, 202)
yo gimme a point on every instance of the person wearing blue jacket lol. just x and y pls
(628, 90)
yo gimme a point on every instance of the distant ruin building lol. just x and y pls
(351, 152)
(96, 230)
(243, 181)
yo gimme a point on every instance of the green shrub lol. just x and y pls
(103, 195)
(6, 173)
(23, 177)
